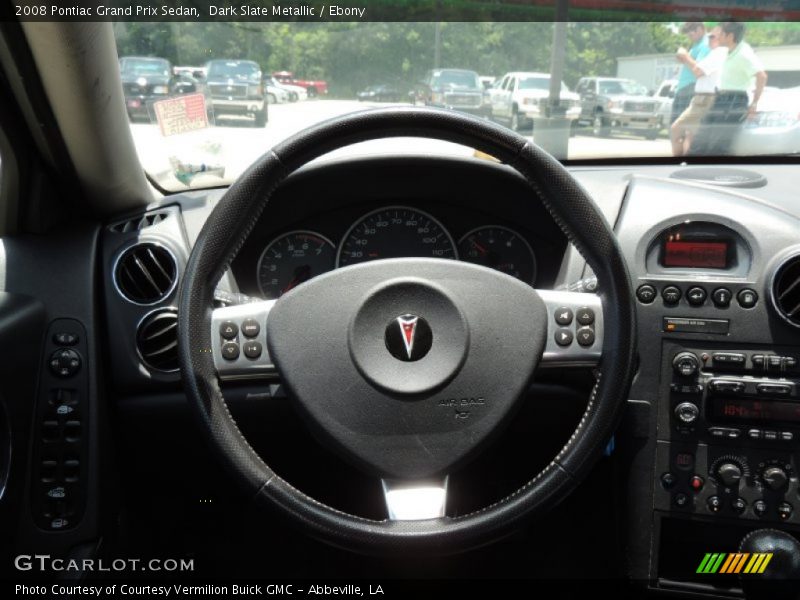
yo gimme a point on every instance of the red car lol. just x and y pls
(313, 87)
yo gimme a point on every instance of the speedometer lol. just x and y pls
(291, 259)
(395, 232)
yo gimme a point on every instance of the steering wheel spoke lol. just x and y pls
(239, 341)
(408, 500)
(574, 329)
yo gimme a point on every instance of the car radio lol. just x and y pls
(728, 436)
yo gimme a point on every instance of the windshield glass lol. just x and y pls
(144, 66)
(206, 129)
(622, 87)
(234, 69)
(456, 79)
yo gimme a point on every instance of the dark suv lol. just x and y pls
(147, 79)
(458, 89)
(235, 87)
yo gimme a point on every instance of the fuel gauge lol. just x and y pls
(499, 248)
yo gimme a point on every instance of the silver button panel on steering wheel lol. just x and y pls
(574, 329)
(239, 340)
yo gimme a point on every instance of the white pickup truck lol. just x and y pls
(519, 97)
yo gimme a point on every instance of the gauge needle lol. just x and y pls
(480, 248)
(301, 274)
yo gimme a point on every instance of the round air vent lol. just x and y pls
(146, 273)
(157, 340)
(786, 290)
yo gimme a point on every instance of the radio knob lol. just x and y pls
(685, 364)
(775, 478)
(730, 474)
(686, 412)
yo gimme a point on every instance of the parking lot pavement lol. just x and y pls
(233, 143)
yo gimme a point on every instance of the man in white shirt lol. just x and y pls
(708, 72)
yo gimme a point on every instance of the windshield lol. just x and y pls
(456, 79)
(233, 69)
(622, 87)
(207, 130)
(144, 66)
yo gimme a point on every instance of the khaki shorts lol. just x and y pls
(698, 108)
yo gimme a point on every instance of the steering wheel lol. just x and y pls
(408, 366)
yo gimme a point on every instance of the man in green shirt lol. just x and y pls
(741, 73)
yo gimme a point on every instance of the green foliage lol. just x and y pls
(352, 55)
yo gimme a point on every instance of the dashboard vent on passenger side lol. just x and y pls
(146, 273)
(140, 222)
(157, 340)
(786, 290)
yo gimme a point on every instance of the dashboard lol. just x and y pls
(709, 445)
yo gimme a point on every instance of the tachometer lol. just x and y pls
(500, 248)
(291, 259)
(395, 232)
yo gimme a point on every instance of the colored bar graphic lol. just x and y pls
(739, 562)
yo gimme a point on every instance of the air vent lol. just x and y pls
(157, 340)
(146, 273)
(786, 290)
(140, 222)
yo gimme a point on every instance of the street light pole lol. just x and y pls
(557, 57)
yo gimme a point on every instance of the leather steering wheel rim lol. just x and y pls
(225, 232)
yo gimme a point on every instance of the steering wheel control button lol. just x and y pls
(65, 339)
(584, 315)
(564, 316)
(685, 364)
(251, 349)
(585, 336)
(721, 297)
(65, 363)
(671, 294)
(563, 336)
(230, 351)
(696, 296)
(229, 330)
(408, 337)
(646, 293)
(747, 298)
(250, 328)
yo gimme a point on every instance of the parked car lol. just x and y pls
(147, 79)
(295, 92)
(776, 126)
(664, 95)
(277, 95)
(235, 88)
(458, 89)
(314, 87)
(610, 103)
(380, 93)
(519, 97)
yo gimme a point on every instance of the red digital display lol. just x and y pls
(730, 409)
(695, 254)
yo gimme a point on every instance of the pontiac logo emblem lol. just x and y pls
(408, 337)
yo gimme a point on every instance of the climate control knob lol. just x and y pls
(685, 364)
(686, 412)
(729, 474)
(775, 478)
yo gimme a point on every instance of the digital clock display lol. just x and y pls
(696, 254)
(738, 409)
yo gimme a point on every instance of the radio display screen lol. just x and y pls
(738, 409)
(696, 254)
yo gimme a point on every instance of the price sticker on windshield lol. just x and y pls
(182, 114)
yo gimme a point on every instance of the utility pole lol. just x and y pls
(557, 57)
